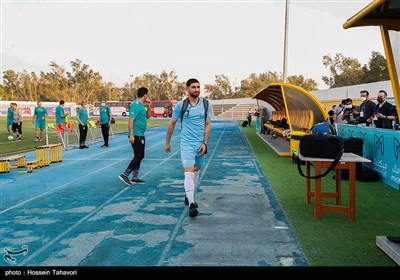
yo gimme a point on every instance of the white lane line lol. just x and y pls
(95, 211)
(71, 182)
(53, 167)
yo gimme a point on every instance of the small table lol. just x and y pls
(347, 161)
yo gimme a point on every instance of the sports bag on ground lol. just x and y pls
(321, 146)
(352, 145)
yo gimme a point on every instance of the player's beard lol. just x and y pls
(194, 94)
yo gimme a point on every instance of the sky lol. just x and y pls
(197, 39)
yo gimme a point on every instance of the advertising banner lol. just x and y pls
(381, 146)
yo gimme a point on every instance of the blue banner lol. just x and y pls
(381, 146)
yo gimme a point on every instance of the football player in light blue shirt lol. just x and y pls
(137, 124)
(196, 129)
(39, 119)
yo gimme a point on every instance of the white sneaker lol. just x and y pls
(37, 139)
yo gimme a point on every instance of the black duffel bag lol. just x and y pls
(321, 146)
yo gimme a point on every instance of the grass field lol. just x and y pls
(28, 134)
(333, 240)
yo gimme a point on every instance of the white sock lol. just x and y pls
(189, 186)
(196, 175)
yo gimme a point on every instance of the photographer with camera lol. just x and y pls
(383, 113)
(350, 113)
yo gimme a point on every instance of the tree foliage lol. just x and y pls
(84, 83)
(161, 87)
(376, 70)
(346, 71)
(223, 89)
(307, 84)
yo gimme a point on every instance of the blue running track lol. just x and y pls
(78, 213)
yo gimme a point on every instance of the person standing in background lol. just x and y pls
(82, 117)
(382, 114)
(366, 109)
(137, 125)
(249, 115)
(350, 114)
(331, 113)
(60, 117)
(105, 121)
(39, 119)
(256, 113)
(17, 122)
(10, 116)
(338, 114)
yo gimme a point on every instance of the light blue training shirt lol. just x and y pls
(193, 121)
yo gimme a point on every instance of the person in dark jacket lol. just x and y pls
(383, 115)
(366, 109)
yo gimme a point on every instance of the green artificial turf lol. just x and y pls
(332, 240)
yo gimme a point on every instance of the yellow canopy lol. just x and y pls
(378, 13)
(300, 107)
